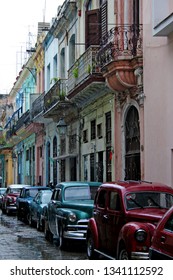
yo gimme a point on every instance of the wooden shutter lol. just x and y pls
(104, 19)
(92, 28)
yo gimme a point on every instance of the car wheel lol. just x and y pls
(123, 254)
(47, 233)
(91, 254)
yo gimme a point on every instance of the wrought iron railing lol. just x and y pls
(57, 93)
(83, 67)
(37, 106)
(25, 119)
(121, 41)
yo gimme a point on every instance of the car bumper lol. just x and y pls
(140, 255)
(76, 231)
(11, 208)
(79, 235)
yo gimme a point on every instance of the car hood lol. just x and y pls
(147, 214)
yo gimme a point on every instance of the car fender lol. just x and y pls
(92, 230)
(127, 236)
(63, 213)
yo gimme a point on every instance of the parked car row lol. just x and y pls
(119, 220)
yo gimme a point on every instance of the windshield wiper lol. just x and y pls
(155, 203)
(138, 204)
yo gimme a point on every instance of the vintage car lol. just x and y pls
(2, 191)
(36, 206)
(9, 198)
(66, 215)
(124, 219)
(162, 240)
(24, 199)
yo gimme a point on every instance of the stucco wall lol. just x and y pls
(158, 107)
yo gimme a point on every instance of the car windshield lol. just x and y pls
(148, 199)
(13, 190)
(77, 193)
(46, 197)
(31, 192)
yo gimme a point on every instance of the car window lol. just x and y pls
(169, 224)
(148, 199)
(77, 193)
(114, 201)
(13, 190)
(32, 192)
(46, 197)
(56, 195)
(101, 199)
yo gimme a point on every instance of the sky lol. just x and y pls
(18, 30)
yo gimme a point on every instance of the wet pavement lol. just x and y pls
(19, 241)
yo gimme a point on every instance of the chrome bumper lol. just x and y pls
(139, 256)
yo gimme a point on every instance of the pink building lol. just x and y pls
(158, 90)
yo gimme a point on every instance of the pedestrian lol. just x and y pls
(50, 185)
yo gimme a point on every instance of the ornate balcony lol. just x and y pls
(120, 55)
(56, 101)
(85, 80)
(37, 106)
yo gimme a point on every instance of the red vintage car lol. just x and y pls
(8, 204)
(162, 240)
(124, 219)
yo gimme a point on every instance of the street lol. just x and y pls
(19, 241)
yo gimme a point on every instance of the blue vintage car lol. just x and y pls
(36, 206)
(66, 215)
(24, 199)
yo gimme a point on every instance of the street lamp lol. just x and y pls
(62, 127)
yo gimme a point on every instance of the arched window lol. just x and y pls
(132, 145)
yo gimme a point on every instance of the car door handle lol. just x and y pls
(162, 239)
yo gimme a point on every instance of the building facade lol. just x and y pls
(89, 77)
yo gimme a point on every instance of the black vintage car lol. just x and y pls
(24, 199)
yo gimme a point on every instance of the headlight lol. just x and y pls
(140, 235)
(72, 217)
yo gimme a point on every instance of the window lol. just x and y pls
(108, 128)
(114, 201)
(85, 136)
(55, 147)
(72, 143)
(93, 129)
(169, 224)
(99, 130)
(55, 66)
(101, 200)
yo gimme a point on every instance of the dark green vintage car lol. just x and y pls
(66, 215)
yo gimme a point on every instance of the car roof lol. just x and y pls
(130, 186)
(36, 187)
(17, 186)
(72, 183)
(45, 191)
(90, 183)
